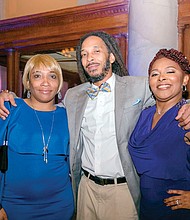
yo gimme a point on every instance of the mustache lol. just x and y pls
(91, 63)
(101, 76)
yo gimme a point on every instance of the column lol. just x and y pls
(2, 8)
(152, 26)
(13, 74)
(122, 40)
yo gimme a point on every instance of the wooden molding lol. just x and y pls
(184, 26)
(184, 30)
(57, 29)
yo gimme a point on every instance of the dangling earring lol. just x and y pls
(152, 96)
(59, 95)
(184, 88)
(28, 94)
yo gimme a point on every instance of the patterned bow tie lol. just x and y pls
(93, 92)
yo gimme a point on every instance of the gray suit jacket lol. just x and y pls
(132, 95)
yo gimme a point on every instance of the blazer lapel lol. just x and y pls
(120, 96)
(81, 103)
(121, 100)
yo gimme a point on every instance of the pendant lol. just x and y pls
(45, 153)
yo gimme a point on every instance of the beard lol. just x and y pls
(101, 76)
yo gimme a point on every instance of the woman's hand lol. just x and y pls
(5, 96)
(181, 200)
(3, 215)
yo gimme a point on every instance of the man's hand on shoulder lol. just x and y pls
(5, 95)
(183, 116)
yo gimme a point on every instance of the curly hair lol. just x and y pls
(118, 67)
(174, 55)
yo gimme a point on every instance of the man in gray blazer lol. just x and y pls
(92, 130)
(102, 113)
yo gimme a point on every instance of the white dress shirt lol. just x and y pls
(100, 155)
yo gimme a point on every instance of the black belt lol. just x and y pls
(101, 181)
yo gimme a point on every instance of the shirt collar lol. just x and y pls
(111, 82)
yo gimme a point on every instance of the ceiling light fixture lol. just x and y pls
(67, 52)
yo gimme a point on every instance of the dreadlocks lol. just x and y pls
(118, 67)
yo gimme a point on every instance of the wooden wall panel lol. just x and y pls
(184, 30)
(62, 28)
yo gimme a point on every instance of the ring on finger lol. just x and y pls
(177, 202)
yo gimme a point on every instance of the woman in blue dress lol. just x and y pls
(159, 148)
(37, 183)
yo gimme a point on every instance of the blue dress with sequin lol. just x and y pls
(32, 189)
(162, 159)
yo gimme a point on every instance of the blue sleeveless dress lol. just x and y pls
(31, 188)
(162, 160)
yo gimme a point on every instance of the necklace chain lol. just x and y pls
(45, 148)
(163, 111)
(160, 112)
(179, 104)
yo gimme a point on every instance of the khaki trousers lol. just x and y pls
(108, 202)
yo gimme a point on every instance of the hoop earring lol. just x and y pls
(28, 94)
(59, 95)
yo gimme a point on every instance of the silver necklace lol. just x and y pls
(160, 112)
(45, 148)
(163, 111)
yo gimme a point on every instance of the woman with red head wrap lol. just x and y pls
(159, 148)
